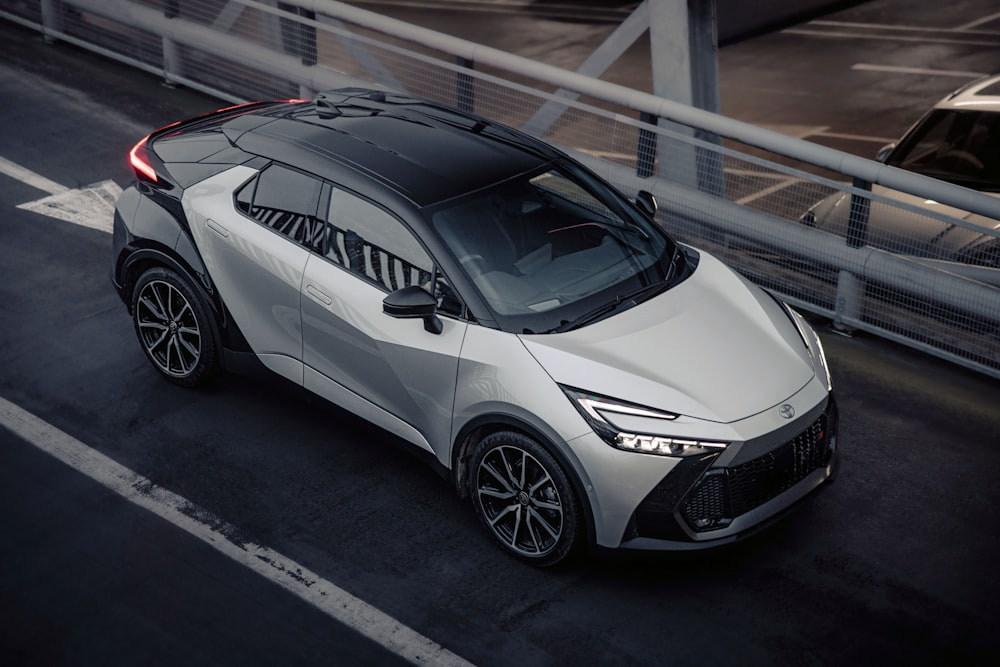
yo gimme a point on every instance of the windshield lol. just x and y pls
(548, 248)
(959, 146)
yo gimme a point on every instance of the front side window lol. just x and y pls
(546, 249)
(373, 244)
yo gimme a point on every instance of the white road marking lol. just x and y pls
(29, 177)
(911, 28)
(884, 38)
(293, 577)
(567, 9)
(979, 22)
(760, 194)
(853, 137)
(795, 131)
(922, 71)
(92, 206)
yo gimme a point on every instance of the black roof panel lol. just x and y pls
(425, 158)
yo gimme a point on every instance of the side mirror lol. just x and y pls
(883, 153)
(414, 302)
(646, 203)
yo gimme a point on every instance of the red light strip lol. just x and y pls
(138, 163)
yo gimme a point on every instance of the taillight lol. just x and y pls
(138, 158)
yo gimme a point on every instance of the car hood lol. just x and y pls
(899, 230)
(714, 347)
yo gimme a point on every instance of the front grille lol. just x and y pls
(722, 495)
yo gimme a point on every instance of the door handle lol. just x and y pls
(217, 228)
(319, 294)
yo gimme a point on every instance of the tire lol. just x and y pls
(174, 327)
(524, 499)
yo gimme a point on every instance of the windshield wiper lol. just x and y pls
(622, 300)
(628, 229)
(672, 267)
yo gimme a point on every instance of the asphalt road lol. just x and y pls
(895, 563)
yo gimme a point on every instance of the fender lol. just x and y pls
(232, 339)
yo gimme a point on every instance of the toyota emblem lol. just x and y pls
(786, 411)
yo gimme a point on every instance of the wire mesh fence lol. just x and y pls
(870, 258)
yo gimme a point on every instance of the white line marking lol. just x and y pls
(910, 28)
(92, 207)
(293, 577)
(979, 22)
(922, 71)
(29, 177)
(760, 194)
(884, 38)
(796, 131)
(854, 137)
(755, 173)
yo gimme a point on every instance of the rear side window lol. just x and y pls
(285, 200)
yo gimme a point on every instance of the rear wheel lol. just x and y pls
(524, 499)
(174, 327)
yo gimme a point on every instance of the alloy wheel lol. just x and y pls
(168, 328)
(520, 500)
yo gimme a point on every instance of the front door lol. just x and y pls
(391, 371)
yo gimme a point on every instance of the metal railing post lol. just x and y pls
(645, 164)
(298, 38)
(465, 86)
(850, 289)
(171, 52)
(847, 308)
(857, 224)
(51, 19)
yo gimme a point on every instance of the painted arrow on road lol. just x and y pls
(91, 206)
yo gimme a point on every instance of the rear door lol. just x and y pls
(391, 371)
(255, 245)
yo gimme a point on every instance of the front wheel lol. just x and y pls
(524, 499)
(174, 327)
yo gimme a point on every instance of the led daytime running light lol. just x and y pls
(594, 406)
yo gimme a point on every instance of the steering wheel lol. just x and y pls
(964, 157)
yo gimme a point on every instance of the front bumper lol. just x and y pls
(642, 501)
(725, 503)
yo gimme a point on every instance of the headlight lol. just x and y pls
(600, 412)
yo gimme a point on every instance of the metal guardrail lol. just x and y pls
(733, 188)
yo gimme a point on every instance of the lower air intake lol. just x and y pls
(723, 494)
